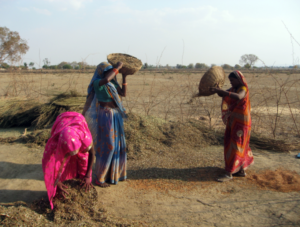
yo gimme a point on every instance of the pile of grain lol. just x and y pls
(279, 180)
(130, 64)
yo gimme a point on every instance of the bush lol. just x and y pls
(4, 65)
(247, 66)
(67, 66)
(53, 67)
(191, 66)
(201, 66)
(226, 66)
(237, 66)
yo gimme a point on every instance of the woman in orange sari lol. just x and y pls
(236, 116)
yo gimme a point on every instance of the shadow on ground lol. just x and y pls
(192, 174)
(9, 196)
(9, 170)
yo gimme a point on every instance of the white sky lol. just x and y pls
(156, 31)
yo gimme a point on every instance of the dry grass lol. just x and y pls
(166, 94)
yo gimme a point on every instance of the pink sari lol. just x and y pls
(66, 152)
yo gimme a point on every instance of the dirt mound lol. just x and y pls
(279, 180)
(18, 214)
(79, 208)
(154, 134)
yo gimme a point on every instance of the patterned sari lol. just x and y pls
(236, 116)
(107, 128)
(66, 152)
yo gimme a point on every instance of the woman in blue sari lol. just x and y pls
(104, 114)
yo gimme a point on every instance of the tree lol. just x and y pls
(25, 65)
(4, 65)
(248, 59)
(191, 66)
(67, 66)
(12, 47)
(74, 64)
(52, 67)
(247, 66)
(82, 65)
(237, 66)
(226, 66)
(178, 66)
(46, 61)
(201, 66)
(60, 65)
(212, 65)
(31, 64)
(145, 65)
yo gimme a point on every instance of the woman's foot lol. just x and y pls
(240, 173)
(102, 185)
(225, 178)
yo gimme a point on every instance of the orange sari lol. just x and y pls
(236, 116)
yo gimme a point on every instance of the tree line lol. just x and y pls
(12, 48)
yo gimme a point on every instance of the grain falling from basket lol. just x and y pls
(215, 75)
(130, 64)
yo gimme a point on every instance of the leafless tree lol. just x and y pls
(248, 59)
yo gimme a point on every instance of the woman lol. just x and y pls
(104, 113)
(236, 115)
(68, 154)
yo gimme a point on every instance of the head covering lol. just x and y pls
(99, 74)
(240, 78)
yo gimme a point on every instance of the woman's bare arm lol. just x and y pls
(91, 161)
(110, 75)
(238, 96)
(122, 91)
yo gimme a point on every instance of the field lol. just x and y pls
(175, 150)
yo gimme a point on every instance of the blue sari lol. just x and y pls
(107, 128)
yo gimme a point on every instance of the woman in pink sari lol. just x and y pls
(69, 153)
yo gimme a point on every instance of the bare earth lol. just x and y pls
(194, 200)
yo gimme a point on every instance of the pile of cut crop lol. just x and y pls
(79, 208)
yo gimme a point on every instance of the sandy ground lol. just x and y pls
(198, 201)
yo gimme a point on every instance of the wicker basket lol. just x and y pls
(215, 75)
(130, 64)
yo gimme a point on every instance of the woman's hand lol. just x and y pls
(119, 65)
(86, 182)
(214, 89)
(61, 187)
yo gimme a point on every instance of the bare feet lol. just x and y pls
(102, 185)
(225, 178)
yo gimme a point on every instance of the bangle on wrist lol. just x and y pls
(124, 84)
(116, 71)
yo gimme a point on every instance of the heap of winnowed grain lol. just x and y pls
(130, 64)
(213, 77)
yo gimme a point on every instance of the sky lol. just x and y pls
(158, 32)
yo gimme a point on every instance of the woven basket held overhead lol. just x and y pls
(130, 64)
(215, 75)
